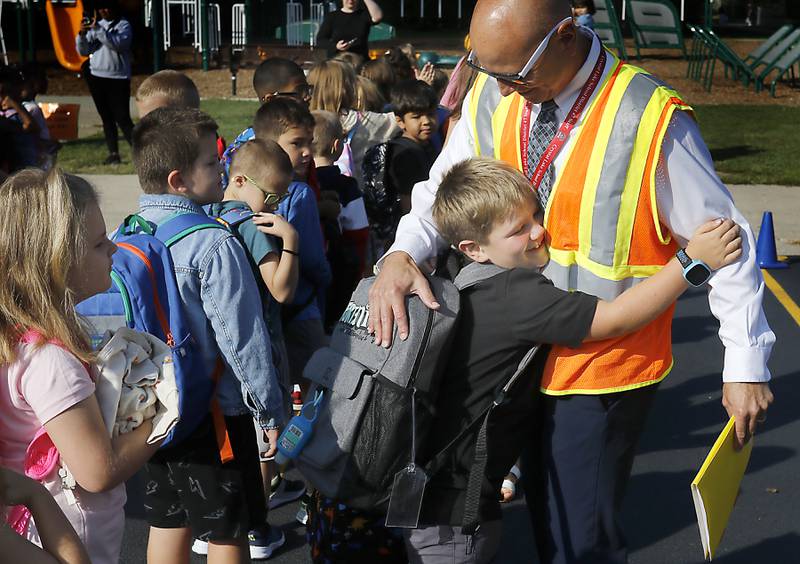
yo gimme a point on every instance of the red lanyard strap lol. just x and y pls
(560, 138)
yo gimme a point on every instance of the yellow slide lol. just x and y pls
(65, 23)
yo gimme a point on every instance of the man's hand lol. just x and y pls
(271, 436)
(399, 277)
(748, 403)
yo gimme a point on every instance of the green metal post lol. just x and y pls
(31, 29)
(156, 20)
(248, 20)
(20, 33)
(203, 18)
(708, 15)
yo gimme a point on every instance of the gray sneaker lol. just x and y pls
(285, 491)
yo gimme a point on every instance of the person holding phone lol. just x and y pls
(106, 39)
(347, 29)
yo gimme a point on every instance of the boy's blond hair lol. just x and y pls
(178, 89)
(261, 157)
(477, 194)
(42, 242)
(327, 129)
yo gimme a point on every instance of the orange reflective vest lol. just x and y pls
(603, 226)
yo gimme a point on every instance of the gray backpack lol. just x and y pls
(363, 432)
(378, 403)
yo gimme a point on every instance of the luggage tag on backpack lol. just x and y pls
(408, 488)
(405, 501)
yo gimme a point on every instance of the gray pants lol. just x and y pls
(443, 544)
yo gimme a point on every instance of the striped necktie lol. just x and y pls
(542, 132)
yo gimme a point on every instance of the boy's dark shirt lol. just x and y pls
(331, 178)
(501, 318)
(340, 26)
(409, 162)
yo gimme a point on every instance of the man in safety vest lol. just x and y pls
(624, 178)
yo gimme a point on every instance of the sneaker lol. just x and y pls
(200, 547)
(302, 512)
(264, 543)
(285, 491)
(112, 159)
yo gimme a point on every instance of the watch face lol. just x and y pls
(698, 274)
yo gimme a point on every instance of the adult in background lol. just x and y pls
(632, 180)
(347, 29)
(107, 42)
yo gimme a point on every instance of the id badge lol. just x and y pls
(405, 501)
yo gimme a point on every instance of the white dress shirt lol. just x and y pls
(688, 193)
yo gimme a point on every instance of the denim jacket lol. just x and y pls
(223, 306)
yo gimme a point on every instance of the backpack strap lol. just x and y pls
(182, 224)
(235, 217)
(474, 273)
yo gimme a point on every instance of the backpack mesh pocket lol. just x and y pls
(386, 420)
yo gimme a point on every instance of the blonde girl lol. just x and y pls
(335, 90)
(54, 253)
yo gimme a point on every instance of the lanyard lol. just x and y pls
(560, 138)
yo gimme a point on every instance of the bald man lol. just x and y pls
(624, 177)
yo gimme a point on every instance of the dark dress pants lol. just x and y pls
(112, 98)
(575, 478)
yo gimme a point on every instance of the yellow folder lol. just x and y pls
(716, 487)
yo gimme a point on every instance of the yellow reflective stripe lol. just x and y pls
(596, 159)
(617, 272)
(596, 392)
(633, 182)
(474, 98)
(653, 202)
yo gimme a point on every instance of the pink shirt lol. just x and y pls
(43, 382)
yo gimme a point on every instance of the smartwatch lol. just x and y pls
(696, 272)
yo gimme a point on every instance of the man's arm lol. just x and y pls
(689, 192)
(416, 243)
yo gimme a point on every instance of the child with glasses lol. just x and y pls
(259, 179)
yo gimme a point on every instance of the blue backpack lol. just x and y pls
(144, 296)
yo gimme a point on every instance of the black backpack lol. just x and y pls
(381, 199)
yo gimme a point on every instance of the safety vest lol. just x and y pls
(601, 218)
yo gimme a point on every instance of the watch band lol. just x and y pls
(683, 258)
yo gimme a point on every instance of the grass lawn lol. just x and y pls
(753, 144)
(87, 154)
(750, 144)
